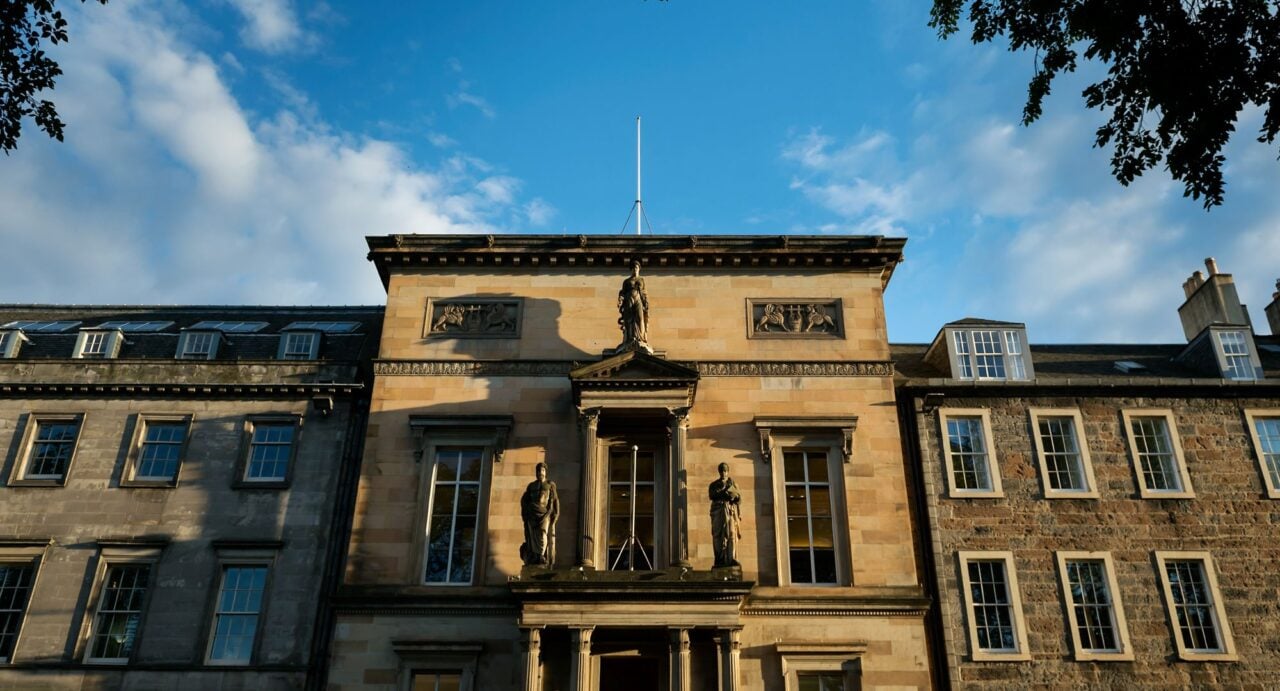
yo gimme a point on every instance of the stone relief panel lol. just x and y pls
(473, 318)
(795, 318)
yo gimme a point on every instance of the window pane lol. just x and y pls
(1094, 611)
(810, 537)
(961, 339)
(1235, 351)
(161, 450)
(455, 508)
(1062, 459)
(987, 355)
(51, 450)
(620, 552)
(236, 616)
(15, 590)
(270, 451)
(969, 466)
(437, 681)
(1269, 439)
(820, 681)
(1197, 622)
(119, 612)
(992, 612)
(1155, 454)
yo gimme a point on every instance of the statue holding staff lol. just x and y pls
(726, 518)
(539, 508)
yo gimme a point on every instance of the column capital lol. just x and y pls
(589, 417)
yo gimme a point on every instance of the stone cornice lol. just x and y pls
(561, 368)
(148, 390)
(656, 252)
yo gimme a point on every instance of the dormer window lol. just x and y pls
(988, 354)
(1236, 355)
(97, 344)
(198, 345)
(10, 342)
(299, 345)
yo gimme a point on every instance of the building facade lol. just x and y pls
(641, 371)
(172, 481)
(1101, 515)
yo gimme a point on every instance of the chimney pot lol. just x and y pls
(1212, 265)
(1197, 280)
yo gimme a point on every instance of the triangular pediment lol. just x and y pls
(634, 365)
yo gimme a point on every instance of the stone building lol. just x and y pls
(1101, 514)
(172, 481)
(765, 354)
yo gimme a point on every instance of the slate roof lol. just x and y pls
(361, 344)
(1062, 364)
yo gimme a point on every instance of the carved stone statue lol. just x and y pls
(726, 518)
(633, 312)
(539, 507)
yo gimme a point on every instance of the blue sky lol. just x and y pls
(238, 151)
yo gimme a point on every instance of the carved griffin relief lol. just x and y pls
(473, 318)
(795, 318)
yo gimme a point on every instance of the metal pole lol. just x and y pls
(639, 204)
(631, 553)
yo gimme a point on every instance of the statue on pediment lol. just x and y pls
(539, 508)
(633, 312)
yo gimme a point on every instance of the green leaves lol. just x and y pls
(25, 69)
(1179, 72)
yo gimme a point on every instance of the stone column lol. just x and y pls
(531, 645)
(678, 429)
(588, 421)
(729, 646)
(680, 662)
(580, 665)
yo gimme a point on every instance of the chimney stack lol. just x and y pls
(1273, 311)
(1213, 300)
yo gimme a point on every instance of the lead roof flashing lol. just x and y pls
(616, 252)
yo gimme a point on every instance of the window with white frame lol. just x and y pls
(118, 616)
(989, 354)
(1062, 453)
(241, 591)
(1194, 605)
(453, 515)
(993, 606)
(97, 345)
(299, 345)
(1095, 615)
(17, 575)
(158, 449)
(1238, 359)
(272, 446)
(1264, 429)
(1157, 456)
(970, 460)
(50, 447)
(198, 345)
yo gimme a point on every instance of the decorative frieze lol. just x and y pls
(472, 318)
(795, 318)
(558, 368)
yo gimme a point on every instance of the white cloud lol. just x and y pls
(271, 25)
(167, 190)
(539, 212)
(463, 97)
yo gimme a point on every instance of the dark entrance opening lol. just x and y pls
(631, 673)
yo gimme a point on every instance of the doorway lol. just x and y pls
(631, 673)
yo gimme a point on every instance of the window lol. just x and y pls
(271, 450)
(47, 327)
(624, 554)
(198, 345)
(51, 444)
(1095, 615)
(437, 681)
(16, 579)
(10, 342)
(989, 354)
(453, 516)
(158, 447)
(236, 614)
(821, 666)
(1264, 429)
(230, 327)
(993, 606)
(1063, 454)
(1237, 359)
(299, 345)
(97, 345)
(809, 515)
(117, 621)
(1157, 454)
(136, 326)
(1194, 605)
(820, 681)
(969, 459)
(327, 327)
